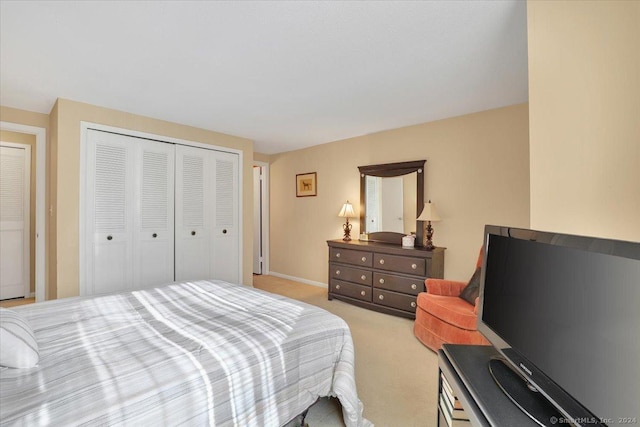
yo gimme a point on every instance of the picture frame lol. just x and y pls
(306, 184)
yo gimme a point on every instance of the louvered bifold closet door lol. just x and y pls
(154, 222)
(14, 221)
(194, 206)
(225, 259)
(109, 213)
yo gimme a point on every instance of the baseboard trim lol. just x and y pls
(299, 279)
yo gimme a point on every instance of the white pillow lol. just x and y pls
(18, 346)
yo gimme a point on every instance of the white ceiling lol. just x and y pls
(284, 74)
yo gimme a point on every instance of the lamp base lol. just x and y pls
(428, 244)
(347, 231)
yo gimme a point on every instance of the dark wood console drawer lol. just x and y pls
(400, 264)
(350, 274)
(395, 300)
(406, 285)
(350, 290)
(349, 256)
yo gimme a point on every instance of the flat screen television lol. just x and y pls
(564, 313)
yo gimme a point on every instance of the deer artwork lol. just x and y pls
(306, 185)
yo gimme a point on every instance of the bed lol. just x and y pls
(192, 353)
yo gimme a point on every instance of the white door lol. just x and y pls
(110, 213)
(207, 215)
(130, 212)
(391, 215)
(257, 220)
(226, 243)
(153, 219)
(193, 212)
(15, 177)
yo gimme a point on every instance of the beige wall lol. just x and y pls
(69, 115)
(259, 157)
(584, 102)
(29, 118)
(30, 140)
(477, 172)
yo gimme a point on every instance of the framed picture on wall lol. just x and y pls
(306, 184)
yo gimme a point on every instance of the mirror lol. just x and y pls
(391, 196)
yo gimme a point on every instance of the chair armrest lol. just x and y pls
(450, 288)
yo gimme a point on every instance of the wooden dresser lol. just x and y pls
(381, 276)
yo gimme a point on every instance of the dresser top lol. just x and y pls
(389, 248)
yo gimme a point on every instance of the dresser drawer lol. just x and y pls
(350, 290)
(400, 264)
(350, 256)
(350, 274)
(394, 300)
(406, 285)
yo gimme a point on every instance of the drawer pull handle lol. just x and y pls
(109, 237)
(154, 235)
(338, 255)
(414, 286)
(363, 293)
(413, 304)
(363, 277)
(381, 281)
(337, 286)
(364, 259)
(337, 272)
(414, 266)
(380, 297)
(381, 261)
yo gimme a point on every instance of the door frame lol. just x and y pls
(40, 207)
(85, 126)
(264, 214)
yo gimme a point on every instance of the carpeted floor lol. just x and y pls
(396, 375)
(16, 302)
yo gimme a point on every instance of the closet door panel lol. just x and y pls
(225, 256)
(193, 208)
(110, 166)
(111, 270)
(154, 224)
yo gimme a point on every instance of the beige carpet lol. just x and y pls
(16, 302)
(396, 375)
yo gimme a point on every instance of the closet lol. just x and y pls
(155, 212)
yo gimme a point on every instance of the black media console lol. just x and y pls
(464, 370)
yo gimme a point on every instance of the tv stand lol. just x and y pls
(522, 394)
(465, 368)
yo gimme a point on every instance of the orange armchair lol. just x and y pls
(442, 317)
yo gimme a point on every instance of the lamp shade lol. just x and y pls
(429, 213)
(347, 211)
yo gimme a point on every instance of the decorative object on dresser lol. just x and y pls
(347, 212)
(306, 184)
(429, 214)
(380, 276)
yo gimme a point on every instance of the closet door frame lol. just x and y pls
(85, 126)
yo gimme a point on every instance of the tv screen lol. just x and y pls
(565, 312)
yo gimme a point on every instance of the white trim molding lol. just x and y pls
(299, 279)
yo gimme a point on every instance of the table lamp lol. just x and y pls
(347, 212)
(429, 214)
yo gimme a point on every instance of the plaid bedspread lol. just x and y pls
(193, 353)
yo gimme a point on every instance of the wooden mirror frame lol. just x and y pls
(389, 170)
